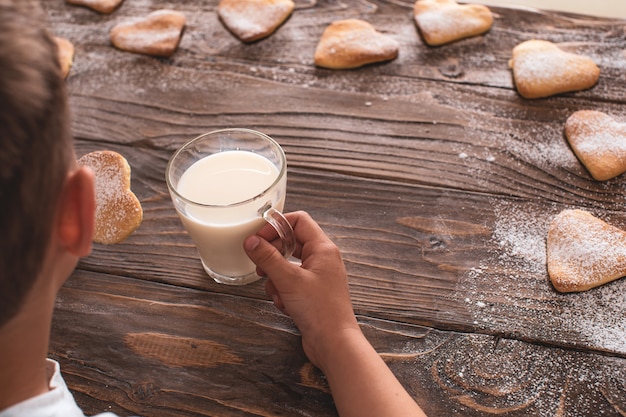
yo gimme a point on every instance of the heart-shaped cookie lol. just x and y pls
(102, 6)
(599, 141)
(353, 43)
(584, 252)
(251, 20)
(156, 34)
(542, 69)
(65, 55)
(118, 211)
(445, 21)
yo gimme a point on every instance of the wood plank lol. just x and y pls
(153, 349)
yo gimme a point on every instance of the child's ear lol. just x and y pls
(77, 208)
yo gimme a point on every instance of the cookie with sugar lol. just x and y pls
(599, 142)
(542, 69)
(444, 21)
(65, 54)
(584, 252)
(102, 6)
(157, 34)
(252, 20)
(118, 211)
(353, 43)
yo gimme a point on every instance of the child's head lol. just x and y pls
(35, 147)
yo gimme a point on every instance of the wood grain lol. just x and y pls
(433, 176)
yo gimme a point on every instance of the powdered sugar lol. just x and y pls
(509, 377)
(449, 20)
(596, 133)
(541, 69)
(352, 43)
(584, 251)
(117, 210)
(520, 237)
(603, 141)
(541, 66)
(254, 19)
(139, 40)
(510, 292)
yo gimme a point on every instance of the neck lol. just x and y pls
(24, 339)
(23, 352)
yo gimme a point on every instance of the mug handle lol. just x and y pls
(285, 232)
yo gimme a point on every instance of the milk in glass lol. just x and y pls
(233, 179)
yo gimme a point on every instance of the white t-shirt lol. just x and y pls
(58, 402)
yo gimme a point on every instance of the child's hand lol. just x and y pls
(317, 298)
(315, 294)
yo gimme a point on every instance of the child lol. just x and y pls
(47, 220)
(46, 211)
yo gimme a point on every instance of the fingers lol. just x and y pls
(305, 228)
(307, 231)
(267, 258)
(292, 286)
(271, 290)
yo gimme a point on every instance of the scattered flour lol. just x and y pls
(509, 296)
(597, 318)
(510, 377)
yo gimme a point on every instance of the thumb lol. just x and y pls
(267, 258)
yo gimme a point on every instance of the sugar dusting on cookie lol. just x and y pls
(352, 43)
(118, 212)
(595, 132)
(437, 21)
(445, 21)
(602, 140)
(252, 20)
(156, 34)
(599, 141)
(542, 69)
(140, 40)
(584, 251)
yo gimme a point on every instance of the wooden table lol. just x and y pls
(433, 176)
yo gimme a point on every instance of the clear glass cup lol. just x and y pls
(225, 185)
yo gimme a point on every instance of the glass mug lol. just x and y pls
(225, 185)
